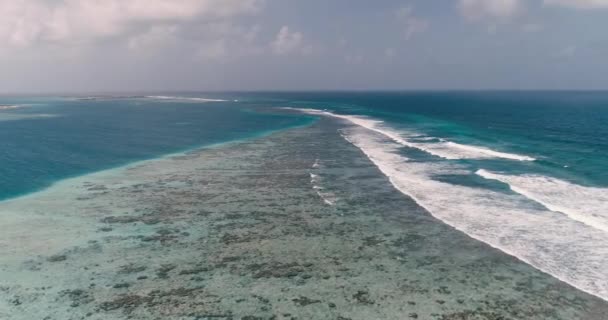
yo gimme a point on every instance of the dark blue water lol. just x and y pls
(50, 139)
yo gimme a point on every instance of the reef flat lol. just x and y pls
(296, 225)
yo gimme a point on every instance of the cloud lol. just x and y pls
(354, 59)
(287, 42)
(568, 51)
(475, 10)
(29, 22)
(220, 41)
(157, 36)
(214, 50)
(532, 27)
(390, 53)
(579, 4)
(404, 12)
(226, 41)
(413, 24)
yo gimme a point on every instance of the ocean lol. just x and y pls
(520, 172)
(47, 139)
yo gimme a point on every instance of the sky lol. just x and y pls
(233, 45)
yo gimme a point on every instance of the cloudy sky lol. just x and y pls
(130, 45)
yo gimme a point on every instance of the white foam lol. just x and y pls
(316, 164)
(557, 244)
(585, 204)
(488, 152)
(327, 197)
(194, 99)
(10, 107)
(552, 242)
(23, 116)
(444, 149)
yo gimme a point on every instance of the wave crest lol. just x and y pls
(444, 149)
(585, 204)
(193, 99)
(552, 242)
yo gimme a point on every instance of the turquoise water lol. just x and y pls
(565, 131)
(522, 172)
(47, 139)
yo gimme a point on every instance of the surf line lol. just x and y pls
(446, 149)
(560, 196)
(598, 290)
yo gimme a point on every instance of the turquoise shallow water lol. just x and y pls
(565, 131)
(47, 139)
(296, 224)
(52, 138)
(375, 211)
(521, 171)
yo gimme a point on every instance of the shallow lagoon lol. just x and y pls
(241, 232)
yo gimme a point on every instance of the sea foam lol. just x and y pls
(444, 149)
(316, 182)
(193, 99)
(10, 107)
(552, 242)
(585, 204)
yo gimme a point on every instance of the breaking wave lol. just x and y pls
(513, 222)
(193, 99)
(444, 149)
(10, 107)
(585, 204)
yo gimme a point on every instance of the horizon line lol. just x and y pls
(140, 92)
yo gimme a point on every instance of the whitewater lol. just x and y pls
(191, 99)
(444, 149)
(557, 227)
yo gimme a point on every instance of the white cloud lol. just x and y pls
(227, 41)
(474, 10)
(214, 50)
(27, 22)
(413, 24)
(287, 42)
(579, 4)
(216, 41)
(405, 12)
